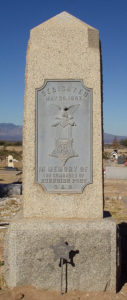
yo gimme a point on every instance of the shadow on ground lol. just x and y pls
(8, 189)
(123, 245)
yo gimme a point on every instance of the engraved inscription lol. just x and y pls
(64, 136)
(63, 176)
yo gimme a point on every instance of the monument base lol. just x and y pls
(33, 248)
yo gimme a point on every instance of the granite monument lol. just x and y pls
(62, 227)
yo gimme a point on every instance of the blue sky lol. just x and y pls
(17, 17)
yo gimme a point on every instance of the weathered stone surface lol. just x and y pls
(62, 48)
(32, 254)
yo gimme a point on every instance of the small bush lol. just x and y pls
(9, 143)
(123, 142)
(106, 155)
(2, 143)
(1, 263)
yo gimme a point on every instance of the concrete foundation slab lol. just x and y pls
(32, 254)
(116, 173)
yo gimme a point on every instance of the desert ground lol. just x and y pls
(115, 202)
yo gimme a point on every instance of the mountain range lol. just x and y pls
(108, 138)
(12, 132)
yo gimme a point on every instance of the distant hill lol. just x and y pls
(12, 132)
(108, 138)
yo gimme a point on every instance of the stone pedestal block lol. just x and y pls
(34, 247)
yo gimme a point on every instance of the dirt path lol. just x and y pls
(31, 293)
(9, 176)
